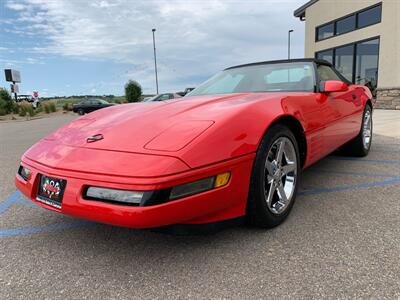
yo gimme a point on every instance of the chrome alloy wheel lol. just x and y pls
(367, 129)
(280, 175)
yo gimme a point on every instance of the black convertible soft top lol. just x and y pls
(314, 60)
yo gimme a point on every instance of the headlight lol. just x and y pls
(123, 196)
(199, 186)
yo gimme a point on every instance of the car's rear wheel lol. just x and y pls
(81, 112)
(361, 144)
(275, 178)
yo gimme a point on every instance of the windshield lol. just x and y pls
(276, 77)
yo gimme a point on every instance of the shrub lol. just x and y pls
(133, 91)
(49, 107)
(52, 107)
(24, 109)
(6, 102)
(22, 112)
(15, 109)
(46, 108)
(2, 112)
(65, 106)
(30, 111)
(3, 105)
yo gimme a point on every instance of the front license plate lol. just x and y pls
(51, 190)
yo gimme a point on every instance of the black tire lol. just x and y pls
(356, 146)
(258, 213)
(81, 112)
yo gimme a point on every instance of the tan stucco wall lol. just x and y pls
(324, 11)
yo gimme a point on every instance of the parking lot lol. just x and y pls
(342, 239)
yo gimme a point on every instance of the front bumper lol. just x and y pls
(215, 205)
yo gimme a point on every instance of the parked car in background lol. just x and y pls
(90, 105)
(162, 97)
(186, 91)
(27, 98)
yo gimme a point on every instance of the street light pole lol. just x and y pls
(155, 58)
(289, 32)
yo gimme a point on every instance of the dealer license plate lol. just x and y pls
(51, 191)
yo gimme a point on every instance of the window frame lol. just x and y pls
(357, 27)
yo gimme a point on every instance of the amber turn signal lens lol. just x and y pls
(222, 179)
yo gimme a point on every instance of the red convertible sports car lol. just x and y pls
(232, 148)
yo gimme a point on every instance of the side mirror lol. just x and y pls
(330, 86)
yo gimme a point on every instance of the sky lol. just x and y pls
(80, 47)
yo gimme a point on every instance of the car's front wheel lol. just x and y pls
(275, 178)
(81, 112)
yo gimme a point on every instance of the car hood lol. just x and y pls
(167, 126)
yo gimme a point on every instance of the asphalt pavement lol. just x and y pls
(342, 239)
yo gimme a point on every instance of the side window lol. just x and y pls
(326, 73)
(291, 78)
(164, 97)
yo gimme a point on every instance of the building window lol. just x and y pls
(325, 55)
(344, 57)
(369, 17)
(360, 19)
(367, 55)
(325, 31)
(357, 62)
(346, 25)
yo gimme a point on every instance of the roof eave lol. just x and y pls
(301, 11)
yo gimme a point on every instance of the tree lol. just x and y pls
(6, 102)
(133, 91)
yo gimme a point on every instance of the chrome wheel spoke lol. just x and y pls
(270, 194)
(281, 149)
(288, 168)
(281, 193)
(270, 179)
(269, 167)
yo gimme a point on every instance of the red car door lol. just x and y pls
(341, 111)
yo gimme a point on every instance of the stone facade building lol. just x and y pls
(361, 38)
